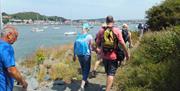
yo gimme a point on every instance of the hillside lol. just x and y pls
(34, 16)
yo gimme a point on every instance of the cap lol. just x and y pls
(86, 26)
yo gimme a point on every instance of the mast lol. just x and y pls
(1, 23)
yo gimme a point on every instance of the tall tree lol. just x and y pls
(164, 15)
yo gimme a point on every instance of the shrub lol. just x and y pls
(154, 64)
(40, 56)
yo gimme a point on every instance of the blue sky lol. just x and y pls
(82, 9)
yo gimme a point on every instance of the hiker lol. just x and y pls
(107, 41)
(97, 63)
(99, 59)
(145, 28)
(126, 35)
(8, 70)
(141, 29)
(128, 41)
(82, 49)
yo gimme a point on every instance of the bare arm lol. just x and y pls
(130, 40)
(125, 50)
(98, 40)
(14, 73)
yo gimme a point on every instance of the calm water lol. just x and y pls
(29, 41)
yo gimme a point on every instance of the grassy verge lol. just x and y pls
(56, 62)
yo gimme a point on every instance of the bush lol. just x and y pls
(154, 64)
(40, 56)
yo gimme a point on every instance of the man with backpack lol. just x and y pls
(107, 41)
(82, 49)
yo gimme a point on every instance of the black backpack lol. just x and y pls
(120, 52)
(125, 35)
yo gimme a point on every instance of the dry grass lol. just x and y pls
(59, 61)
(41, 74)
(29, 62)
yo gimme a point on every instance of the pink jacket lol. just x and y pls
(110, 55)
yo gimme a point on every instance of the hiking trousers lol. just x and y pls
(85, 62)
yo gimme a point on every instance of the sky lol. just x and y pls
(82, 9)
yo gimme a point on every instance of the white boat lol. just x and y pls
(70, 33)
(37, 30)
(45, 27)
(55, 28)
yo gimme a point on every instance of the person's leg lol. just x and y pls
(111, 67)
(99, 60)
(109, 82)
(105, 63)
(87, 64)
(88, 67)
(81, 61)
(96, 64)
(85, 70)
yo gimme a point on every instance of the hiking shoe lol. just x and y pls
(93, 73)
(86, 84)
(81, 89)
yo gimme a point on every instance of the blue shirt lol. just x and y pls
(6, 60)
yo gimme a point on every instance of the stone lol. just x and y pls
(32, 84)
(58, 82)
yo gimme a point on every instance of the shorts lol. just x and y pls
(110, 67)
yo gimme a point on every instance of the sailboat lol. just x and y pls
(36, 29)
(45, 26)
(70, 33)
(56, 27)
